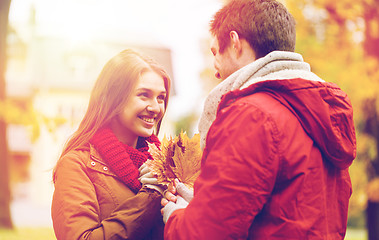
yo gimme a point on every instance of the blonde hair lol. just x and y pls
(111, 91)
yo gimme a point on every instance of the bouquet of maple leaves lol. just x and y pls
(179, 157)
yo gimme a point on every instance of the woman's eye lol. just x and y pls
(161, 97)
(143, 95)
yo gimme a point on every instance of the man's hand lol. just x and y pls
(172, 202)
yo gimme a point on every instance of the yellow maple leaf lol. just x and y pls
(179, 158)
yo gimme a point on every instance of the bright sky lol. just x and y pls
(175, 24)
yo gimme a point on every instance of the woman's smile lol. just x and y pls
(149, 120)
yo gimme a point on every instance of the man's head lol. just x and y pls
(261, 25)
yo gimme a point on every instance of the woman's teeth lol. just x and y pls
(149, 120)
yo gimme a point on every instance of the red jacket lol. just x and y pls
(274, 166)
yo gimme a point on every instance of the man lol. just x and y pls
(278, 139)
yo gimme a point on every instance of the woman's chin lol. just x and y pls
(147, 133)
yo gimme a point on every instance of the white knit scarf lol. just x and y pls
(277, 65)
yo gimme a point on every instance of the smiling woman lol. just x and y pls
(143, 110)
(97, 190)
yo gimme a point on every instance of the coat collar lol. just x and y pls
(94, 155)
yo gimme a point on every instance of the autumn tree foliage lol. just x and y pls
(15, 112)
(340, 39)
(5, 218)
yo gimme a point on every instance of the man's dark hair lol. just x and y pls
(265, 24)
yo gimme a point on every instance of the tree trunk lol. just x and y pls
(372, 213)
(5, 216)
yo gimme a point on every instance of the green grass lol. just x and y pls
(356, 234)
(27, 234)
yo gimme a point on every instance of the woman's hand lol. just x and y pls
(148, 179)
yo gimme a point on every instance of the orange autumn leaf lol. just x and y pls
(179, 158)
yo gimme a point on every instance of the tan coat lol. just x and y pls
(90, 202)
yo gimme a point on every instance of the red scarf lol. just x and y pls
(121, 158)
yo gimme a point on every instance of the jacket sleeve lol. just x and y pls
(239, 169)
(75, 209)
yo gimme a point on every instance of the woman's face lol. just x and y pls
(143, 110)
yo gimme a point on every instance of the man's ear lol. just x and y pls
(241, 48)
(235, 42)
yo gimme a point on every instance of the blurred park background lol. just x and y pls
(52, 51)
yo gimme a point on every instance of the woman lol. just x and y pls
(97, 193)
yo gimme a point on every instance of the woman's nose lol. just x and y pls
(153, 106)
